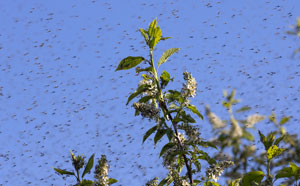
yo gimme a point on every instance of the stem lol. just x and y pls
(77, 177)
(268, 168)
(163, 105)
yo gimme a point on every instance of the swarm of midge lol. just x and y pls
(153, 182)
(189, 88)
(214, 120)
(216, 170)
(146, 110)
(169, 157)
(101, 172)
(192, 132)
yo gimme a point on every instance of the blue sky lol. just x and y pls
(60, 90)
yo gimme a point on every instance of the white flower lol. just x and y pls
(214, 119)
(253, 119)
(215, 171)
(146, 110)
(152, 90)
(190, 87)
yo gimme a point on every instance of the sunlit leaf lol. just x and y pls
(255, 176)
(295, 170)
(156, 37)
(274, 151)
(129, 62)
(165, 38)
(235, 182)
(211, 183)
(144, 33)
(284, 120)
(112, 181)
(166, 55)
(152, 27)
(89, 165)
(63, 172)
(243, 109)
(273, 118)
(165, 78)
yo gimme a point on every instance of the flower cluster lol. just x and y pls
(253, 119)
(152, 90)
(214, 171)
(178, 180)
(169, 160)
(146, 110)
(192, 132)
(153, 182)
(214, 120)
(101, 172)
(190, 87)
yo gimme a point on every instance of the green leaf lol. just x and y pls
(204, 156)
(166, 147)
(278, 140)
(159, 134)
(284, 173)
(174, 95)
(188, 118)
(235, 182)
(211, 183)
(62, 172)
(243, 109)
(170, 134)
(166, 55)
(156, 37)
(164, 78)
(129, 62)
(271, 138)
(263, 139)
(194, 109)
(247, 135)
(89, 165)
(284, 120)
(149, 132)
(144, 33)
(165, 38)
(139, 90)
(273, 118)
(208, 144)
(274, 151)
(145, 99)
(255, 176)
(295, 170)
(112, 181)
(148, 69)
(86, 183)
(152, 28)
